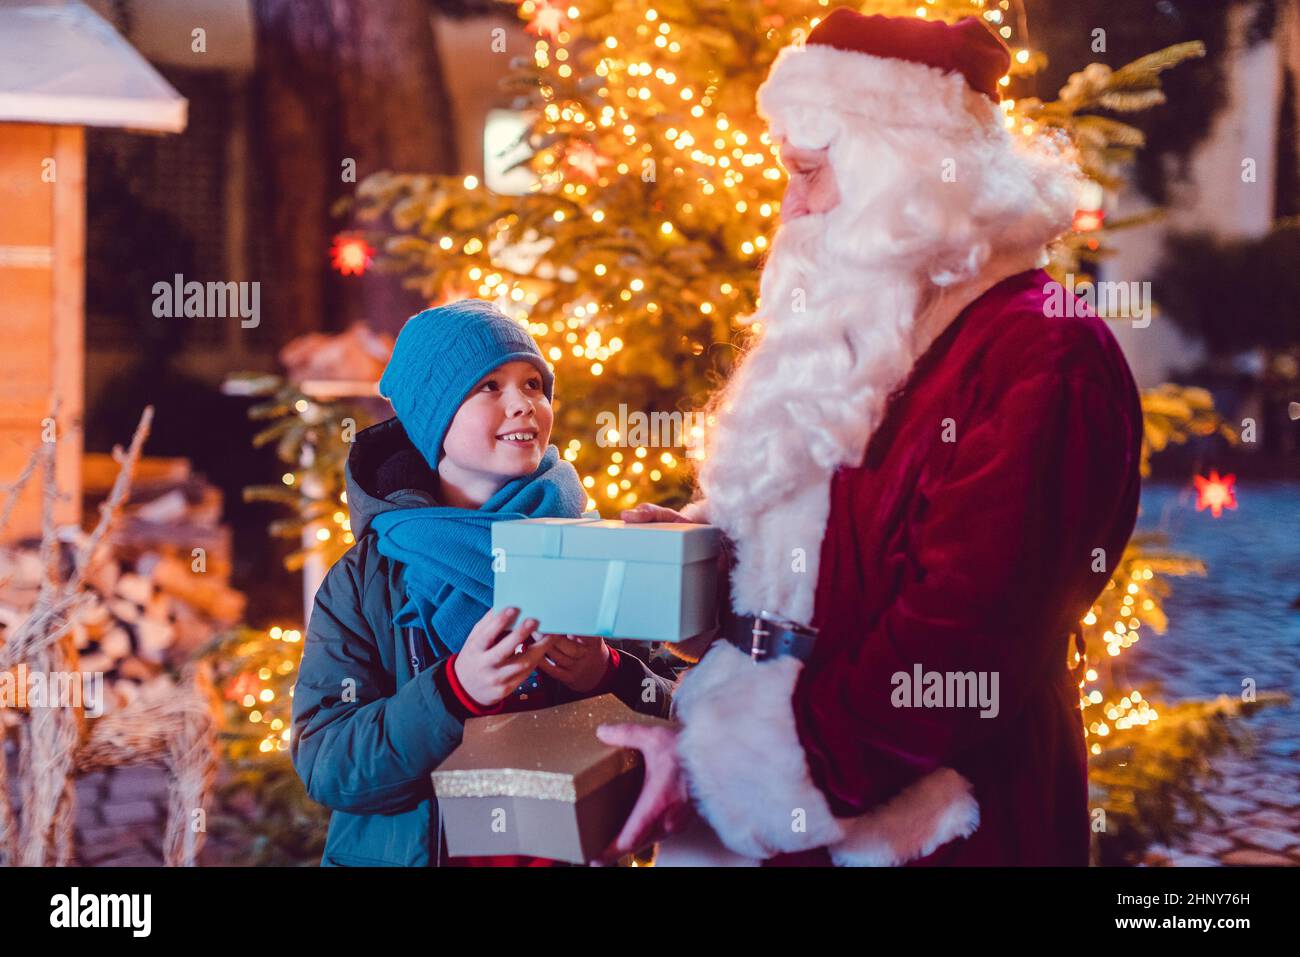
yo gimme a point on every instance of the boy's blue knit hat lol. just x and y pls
(440, 355)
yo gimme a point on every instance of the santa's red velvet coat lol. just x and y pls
(972, 554)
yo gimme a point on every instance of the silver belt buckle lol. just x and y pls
(758, 647)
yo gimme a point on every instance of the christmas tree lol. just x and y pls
(638, 245)
(633, 258)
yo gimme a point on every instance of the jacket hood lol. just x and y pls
(385, 471)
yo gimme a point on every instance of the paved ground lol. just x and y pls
(121, 817)
(1236, 623)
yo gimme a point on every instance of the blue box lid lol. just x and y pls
(676, 542)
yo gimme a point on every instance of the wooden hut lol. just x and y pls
(62, 69)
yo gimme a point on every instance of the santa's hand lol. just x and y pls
(664, 806)
(645, 512)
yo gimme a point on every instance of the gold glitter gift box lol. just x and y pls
(540, 782)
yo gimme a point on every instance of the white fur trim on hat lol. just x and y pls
(749, 777)
(810, 87)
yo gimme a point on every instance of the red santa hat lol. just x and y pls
(897, 71)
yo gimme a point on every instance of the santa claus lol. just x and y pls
(926, 478)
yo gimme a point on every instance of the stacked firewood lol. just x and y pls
(159, 587)
(58, 740)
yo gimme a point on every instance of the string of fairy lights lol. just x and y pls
(1120, 626)
(266, 694)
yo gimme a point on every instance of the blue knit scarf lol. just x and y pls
(448, 551)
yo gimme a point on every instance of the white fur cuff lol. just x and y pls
(746, 768)
(697, 511)
(935, 810)
(749, 777)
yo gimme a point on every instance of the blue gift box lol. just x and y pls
(591, 576)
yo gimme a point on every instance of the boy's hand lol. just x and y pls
(578, 661)
(489, 667)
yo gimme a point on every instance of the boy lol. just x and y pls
(402, 645)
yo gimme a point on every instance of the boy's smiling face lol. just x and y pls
(499, 433)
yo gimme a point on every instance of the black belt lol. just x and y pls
(765, 636)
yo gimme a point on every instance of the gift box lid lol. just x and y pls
(551, 753)
(672, 542)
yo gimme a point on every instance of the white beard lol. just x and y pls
(808, 397)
